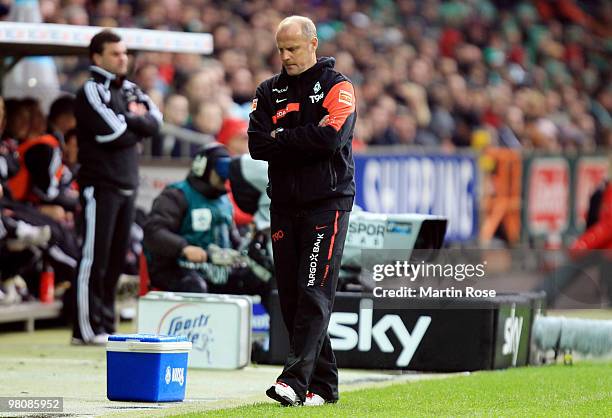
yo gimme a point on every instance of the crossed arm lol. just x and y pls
(317, 141)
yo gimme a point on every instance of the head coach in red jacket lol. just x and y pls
(302, 123)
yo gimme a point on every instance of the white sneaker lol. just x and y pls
(312, 399)
(283, 393)
(100, 339)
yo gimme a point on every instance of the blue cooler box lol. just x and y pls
(146, 367)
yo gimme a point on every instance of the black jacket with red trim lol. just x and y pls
(310, 164)
(42, 178)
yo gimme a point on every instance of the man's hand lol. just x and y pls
(195, 254)
(322, 122)
(274, 132)
(138, 109)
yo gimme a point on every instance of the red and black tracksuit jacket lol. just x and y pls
(310, 166)
(42, 178)
(311, 185)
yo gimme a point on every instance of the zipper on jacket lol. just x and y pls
(295, 185)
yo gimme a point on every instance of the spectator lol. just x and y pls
(469, 50)
(70, 152)
(207, 119)
(61, 117)
(149, 79)
(233, 135)
(176, 112)
(41, 176)
(17, 122)
(37, 123)
(243, 90)
(9, 159)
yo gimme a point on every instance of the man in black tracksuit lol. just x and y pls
(113, 115)
(302, 123)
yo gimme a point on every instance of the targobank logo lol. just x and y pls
(314, 260)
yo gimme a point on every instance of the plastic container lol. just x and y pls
(146, 367)
(47, 285)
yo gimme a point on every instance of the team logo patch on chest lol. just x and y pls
(316, 87)
(201, 219)
(315, 98)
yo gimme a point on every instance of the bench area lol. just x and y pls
(29, 312)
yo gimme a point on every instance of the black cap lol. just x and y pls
(205, 159)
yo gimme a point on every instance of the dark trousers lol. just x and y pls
(107, 218)
(307, 253)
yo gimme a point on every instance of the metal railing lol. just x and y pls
(185, 137)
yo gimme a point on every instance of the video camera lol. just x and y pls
(376, 231)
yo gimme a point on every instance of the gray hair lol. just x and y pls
(309, 30)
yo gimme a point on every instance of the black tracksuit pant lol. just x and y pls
(307, 253)
(107, 218)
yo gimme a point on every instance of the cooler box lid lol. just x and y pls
(197, 297)
(148, 343)
(148, 338)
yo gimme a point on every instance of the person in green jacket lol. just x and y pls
(189, 235)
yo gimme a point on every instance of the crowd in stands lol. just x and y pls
(531, 75)
(445, 74)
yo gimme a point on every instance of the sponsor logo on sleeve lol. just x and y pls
(345, 97)
(254, 105)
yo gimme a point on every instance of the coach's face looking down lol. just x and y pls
(113, 58)
(296, 40)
